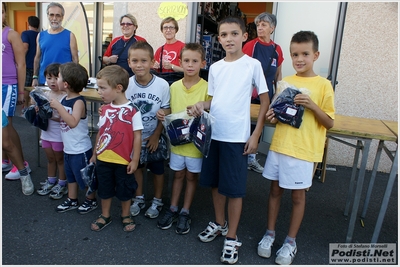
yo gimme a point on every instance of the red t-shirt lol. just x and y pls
(171, 53)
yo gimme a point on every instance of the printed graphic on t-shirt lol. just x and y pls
(169, 55)
(64, 126)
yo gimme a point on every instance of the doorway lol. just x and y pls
(21, 24)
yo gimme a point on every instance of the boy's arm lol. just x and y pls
(197, 109)
(73, 119)
(321, 116)
(137, 145)
(252, 144)
(94, 156)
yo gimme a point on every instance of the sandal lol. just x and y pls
(127, 224)
(101, 225)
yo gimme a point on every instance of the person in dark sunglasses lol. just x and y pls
(117, 51)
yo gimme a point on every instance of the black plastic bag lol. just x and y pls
(285, 110)
(161, 153)
(45, 111)
(35, 120)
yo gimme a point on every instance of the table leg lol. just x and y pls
(350, 194)
(357, 196)
(385, 200)
(372, 180)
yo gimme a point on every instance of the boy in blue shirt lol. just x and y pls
(291, 156)
(230, 83)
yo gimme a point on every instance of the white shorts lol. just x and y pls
(179, 163)
(292, 173)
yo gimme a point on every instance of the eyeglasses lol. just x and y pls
(126, 24)
(54, 15)
(168, 28)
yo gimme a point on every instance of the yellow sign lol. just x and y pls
(177, 10)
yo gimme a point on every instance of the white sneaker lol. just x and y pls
(255, 166)
(14, 173)
(285, 255)
(230, 251)
(27, 185)
(7, 165)
(154, 210)
(265, 245)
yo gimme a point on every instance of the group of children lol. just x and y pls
(132, 119)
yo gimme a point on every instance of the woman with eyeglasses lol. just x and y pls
(167, 56)
(117, 51)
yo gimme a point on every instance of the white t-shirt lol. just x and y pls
(149, 99)
(231, 85)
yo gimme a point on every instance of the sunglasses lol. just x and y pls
(126, 24)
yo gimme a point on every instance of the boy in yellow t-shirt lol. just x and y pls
(185, 159)
(293, 151)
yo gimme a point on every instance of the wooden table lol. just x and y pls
(364, 131)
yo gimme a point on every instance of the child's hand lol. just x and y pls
(160, 115)
(270, 116)
(54, 103)
(93, 158)
(152, 143)
(132, 167)
(195, 110)
(36, 109)
(304, 100)
(156, 65)
(100, 109)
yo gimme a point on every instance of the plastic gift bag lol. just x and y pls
(89, 177)
(200, 132)
(37, 121)
(177, 126)
(161, 153)
(42, 101)
(283, 105)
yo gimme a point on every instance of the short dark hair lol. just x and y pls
(237, 20)
(194, 47)
(34, 21)
(52, 69)
(114, 75)
(306, 37)
(142, 45)
(75, 75)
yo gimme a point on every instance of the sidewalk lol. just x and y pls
(33, 233)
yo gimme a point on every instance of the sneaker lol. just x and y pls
(137, 205)
(7, 165)
(285, 255)
(154, 209)
(87, 206)
(229, 252)
(58, 191)
(212, 231)
(27, 185)
(67, 205)
(169, 218)
(14, 173)
(255, 166)
(46, 188)
(265, 245)
(183, 225)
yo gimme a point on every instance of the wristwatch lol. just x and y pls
(172, 67)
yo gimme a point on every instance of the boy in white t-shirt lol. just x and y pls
(230, 83)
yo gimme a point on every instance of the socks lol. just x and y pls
(270, 233)
(23, 172)
(290, 240)
(62, 182)
(184, 211)
(158, 199)
(140, 197)
(52, 180)
(173, 208)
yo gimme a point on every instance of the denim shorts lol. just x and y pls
(225, 168)
(73, 163)
(115, 181)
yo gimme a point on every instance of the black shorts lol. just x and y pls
(115, 181)
(225, 168)
(155, 167)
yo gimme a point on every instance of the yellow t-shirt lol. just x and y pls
(181, 97)
(307, 142)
